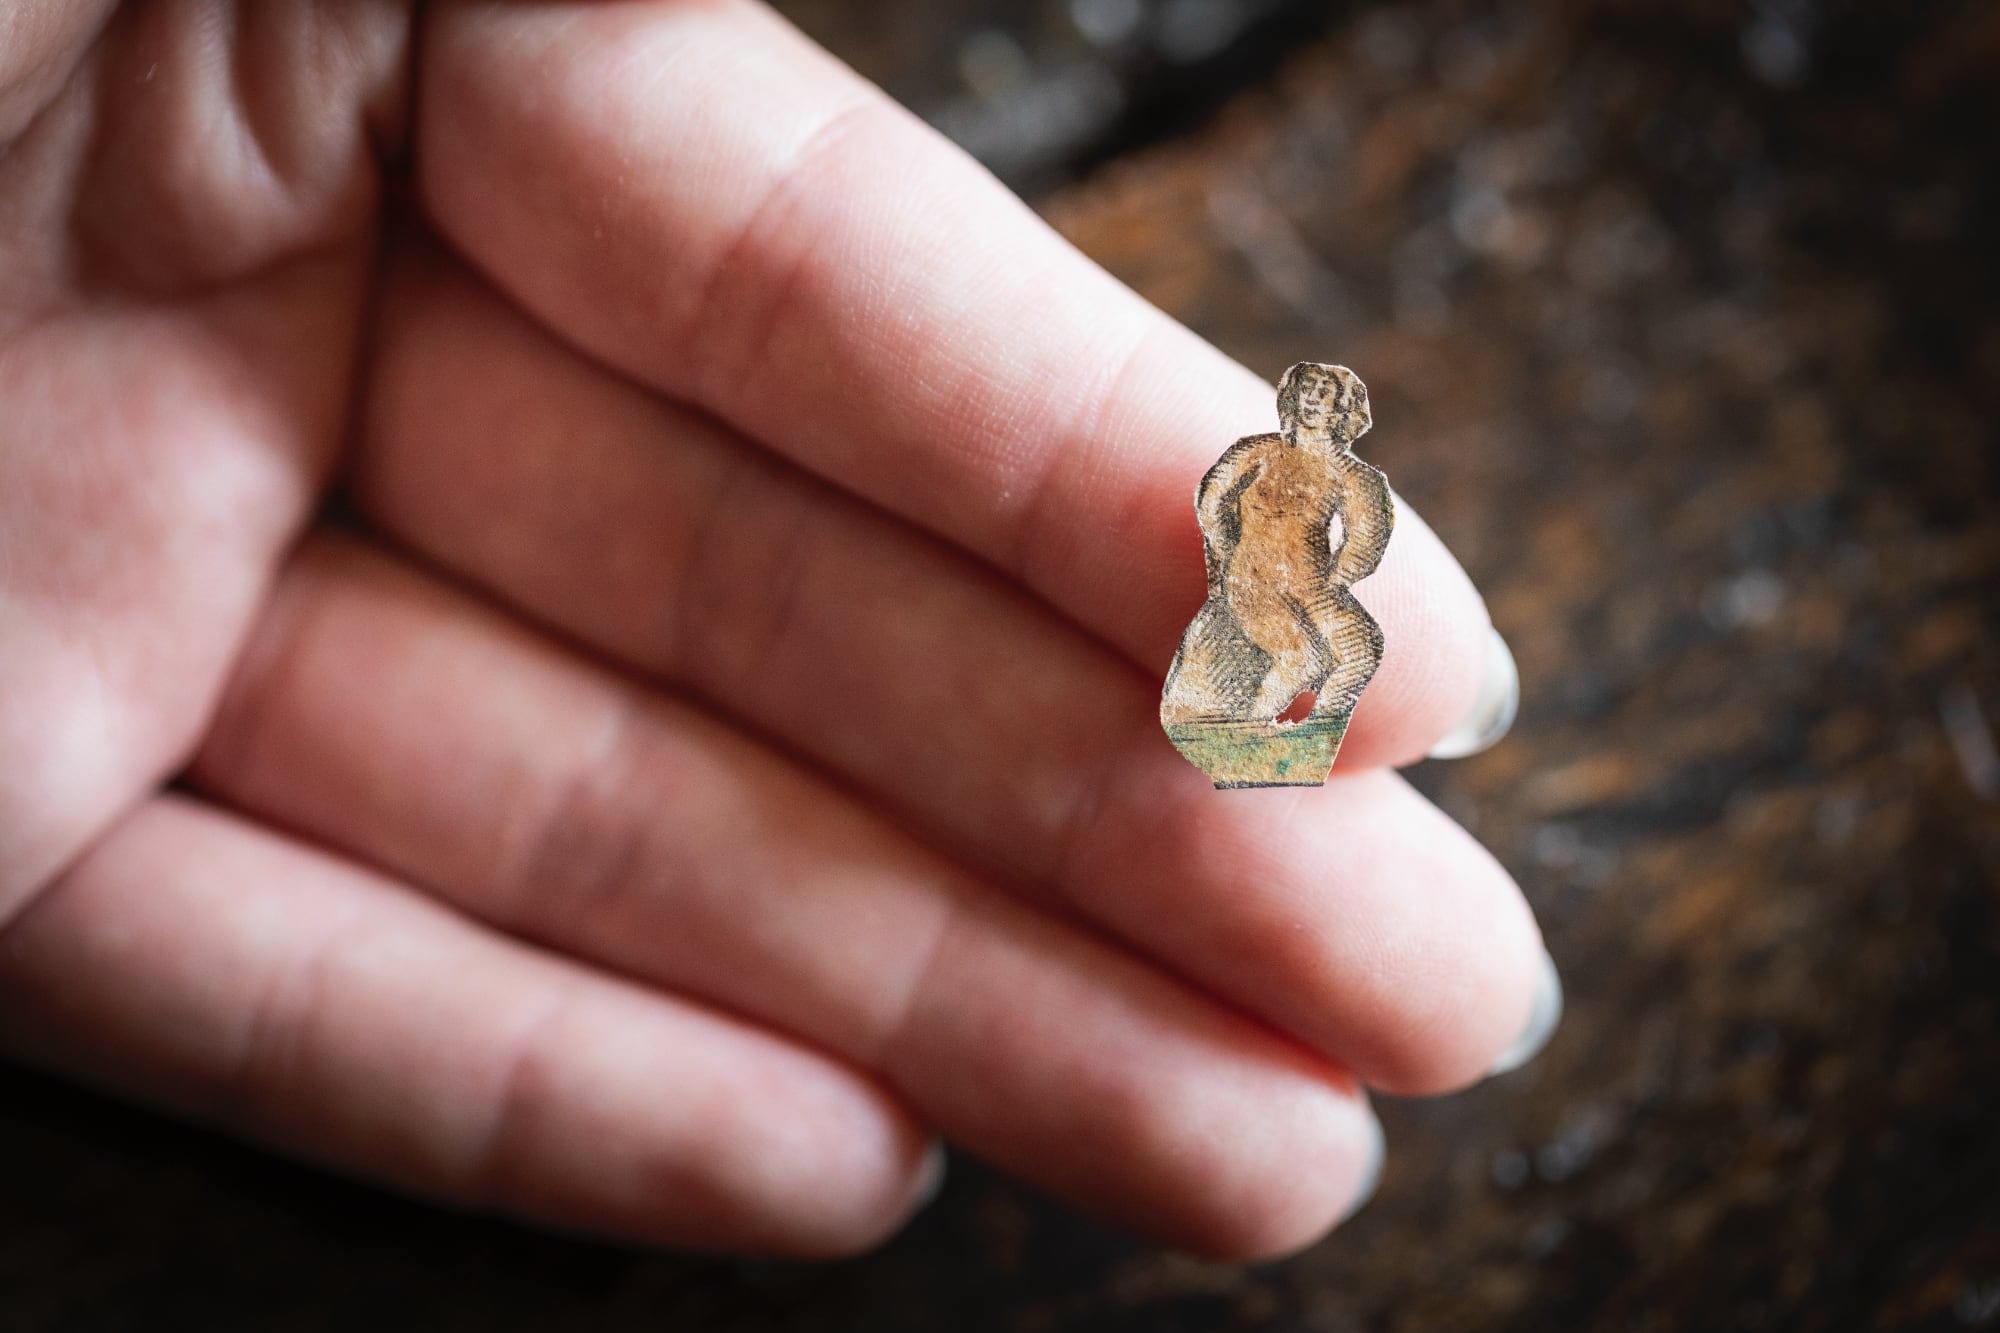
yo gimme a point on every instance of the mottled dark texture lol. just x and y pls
(1684, 314)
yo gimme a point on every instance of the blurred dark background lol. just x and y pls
(1680, 323)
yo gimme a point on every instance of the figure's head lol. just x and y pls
(1316, 400)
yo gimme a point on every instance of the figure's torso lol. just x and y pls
(1287, 512)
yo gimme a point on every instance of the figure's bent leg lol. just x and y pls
(1298, 656)
(1355, 644)
(1216, 672)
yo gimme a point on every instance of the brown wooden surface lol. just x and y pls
(1680, 326)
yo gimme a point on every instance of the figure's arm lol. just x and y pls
(1367, 513)
(1217, 503)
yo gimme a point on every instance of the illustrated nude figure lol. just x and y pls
(1281, 619)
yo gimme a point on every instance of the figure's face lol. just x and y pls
(1332, 400)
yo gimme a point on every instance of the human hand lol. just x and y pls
(716, 749)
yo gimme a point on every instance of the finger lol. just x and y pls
(1360, 920)
(156, 463)
(702, 198)
(186, 236)
(246, 979)
(559, 801)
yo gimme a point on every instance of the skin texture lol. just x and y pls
(712, 752)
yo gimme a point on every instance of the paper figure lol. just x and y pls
(1289, 522)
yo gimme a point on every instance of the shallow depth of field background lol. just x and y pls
(1680, 323)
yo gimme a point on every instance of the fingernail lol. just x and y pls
(1371, 1170)
(1493, 711)
(930, 1178)
(1542, 1020)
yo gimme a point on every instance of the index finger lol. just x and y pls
(699, 196)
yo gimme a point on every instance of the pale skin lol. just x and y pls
(712, 756)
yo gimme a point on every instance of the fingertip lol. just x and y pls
(1489, 1012)
(1493, 708)
(1371, 1174)
(1544, 1017)
(830, 1167)
(930, 1178)
(914, 1187)
(1436, 659)
(1295, 1199)
(909, 1188)
(1450, 968)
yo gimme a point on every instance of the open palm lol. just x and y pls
(581, 607)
